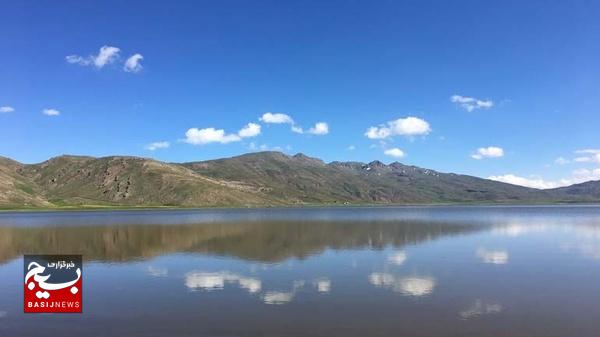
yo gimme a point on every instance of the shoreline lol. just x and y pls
(114, 208)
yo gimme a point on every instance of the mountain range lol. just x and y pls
(253, 180)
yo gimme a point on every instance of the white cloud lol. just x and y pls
(561, 161)
(6, 109)
(106, 55)
(394, 152)
(320, 128)
(157, 145)
(276, 118)
(471, 103)
(51, 112)
(197, 136)
(583, 175)
(250, 130)
(351, 148)
(409, 126)
(133, 63)
(577, 177)
(591, 156)
(488, 152)
(522, 181)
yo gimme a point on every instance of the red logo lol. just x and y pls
(52, 283)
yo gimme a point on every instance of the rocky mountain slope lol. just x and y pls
(254, 179)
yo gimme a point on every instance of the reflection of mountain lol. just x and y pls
(261, 241)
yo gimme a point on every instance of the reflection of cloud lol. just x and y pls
(518, 230)
(217, 281)
(590, 250)
(381, 279)
(324, 285)
(417, 286)
(397, 258)
(299, 284)
(410, 286)
(492, 256)
(480, 308)
(588, 240)
(157, 272)
(588, 232)
(277, 297)
(251, 284)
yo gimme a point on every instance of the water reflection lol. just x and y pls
(465, 272)
(397, 258)
(411, 286)
(157, 272)
(262, 241)
(277, 297)
(480, 308)
(492, 256)
(216, 281)
(323, 285)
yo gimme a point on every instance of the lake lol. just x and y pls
(372, 271)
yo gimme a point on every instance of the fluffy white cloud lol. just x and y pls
(250, 130)
(561, 161)
(394, 152)
(588, 156)
(409, 126)
(157, 145)
(488, 152)
(6, 109)
(351, 148)
(276, 118)
(577, 177)
(106, 55)
(471, 103)
(197, 136)
(583, 175)
(51, 112)
(133, 63)
(522, 181)
(320, 128)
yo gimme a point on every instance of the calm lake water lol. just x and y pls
(389, 271)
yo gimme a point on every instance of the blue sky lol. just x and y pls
(498, 89)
